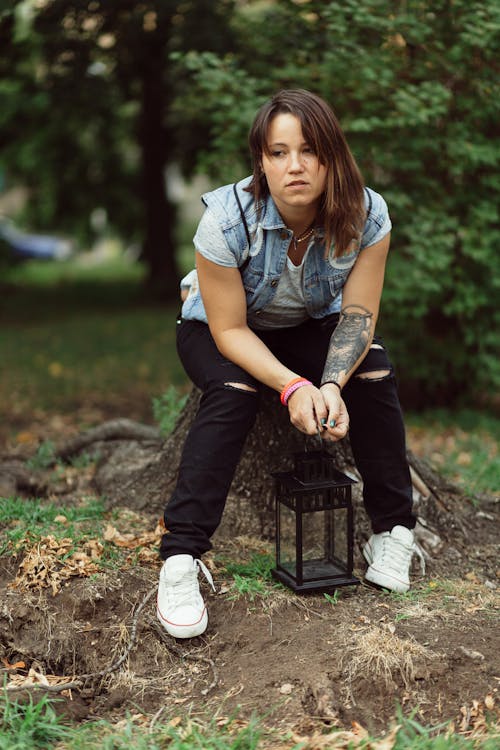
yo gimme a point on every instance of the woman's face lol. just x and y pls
(295, 177)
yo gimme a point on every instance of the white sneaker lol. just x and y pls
(389, 556)
(179, 606)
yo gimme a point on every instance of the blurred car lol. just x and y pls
(16, 245)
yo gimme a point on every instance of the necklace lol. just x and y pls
(304, 236)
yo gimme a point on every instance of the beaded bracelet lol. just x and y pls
(291, 387)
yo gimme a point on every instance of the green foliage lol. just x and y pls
(332, 599)
(417, 90)
(167, 408)
(44, 456)
(415, 85)
(259, 565)
(29, 724)
(252, 578)
(86, 122)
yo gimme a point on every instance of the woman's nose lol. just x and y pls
(295, 162)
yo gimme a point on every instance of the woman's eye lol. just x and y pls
(277, 153)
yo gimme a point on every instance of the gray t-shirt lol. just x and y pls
(287, 308)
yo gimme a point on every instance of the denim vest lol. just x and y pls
(262, 262)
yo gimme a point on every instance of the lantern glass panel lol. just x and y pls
(340, 537)
(288, 543)
(314, 535)
(324, 543)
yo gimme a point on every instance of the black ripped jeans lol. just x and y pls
(225, 416)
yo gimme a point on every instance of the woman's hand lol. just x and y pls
(312, 409)
(307, 409)
(336, 420)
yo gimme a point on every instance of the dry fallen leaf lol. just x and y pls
(47, 564)
(489, 702)
(130, 541)
(15, 665)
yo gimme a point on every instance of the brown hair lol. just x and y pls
(342, 207)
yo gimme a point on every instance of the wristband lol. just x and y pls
(291, 387)
(333, 382)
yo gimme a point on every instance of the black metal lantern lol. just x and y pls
(314, 524)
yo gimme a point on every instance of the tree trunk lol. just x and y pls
(158, 250)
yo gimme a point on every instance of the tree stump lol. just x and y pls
(135, 468)
(152, 469)
(143, 475)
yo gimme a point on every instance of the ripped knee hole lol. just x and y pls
(374, 375)
(241, 387)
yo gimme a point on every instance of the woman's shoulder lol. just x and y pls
(378, 222)
(375, 204)
(225, 201)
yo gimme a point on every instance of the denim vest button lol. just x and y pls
(283, 234)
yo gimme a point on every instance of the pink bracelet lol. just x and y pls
(293, 386)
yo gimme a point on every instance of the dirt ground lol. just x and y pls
(301, 662)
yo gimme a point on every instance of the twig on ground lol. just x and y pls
(133, 637)
(79, 680)
(48, 688)
(155, 718)
(168, 641)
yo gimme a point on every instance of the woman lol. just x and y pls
(290, 267)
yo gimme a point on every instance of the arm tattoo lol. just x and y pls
(348, 342)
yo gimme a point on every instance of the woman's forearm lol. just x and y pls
(349, 343)
(245, 349)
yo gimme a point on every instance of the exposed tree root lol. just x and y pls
(169, 643)
(114, 429)
(79, 681)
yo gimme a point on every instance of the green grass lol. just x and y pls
(22, 518)
(167, 408)
(36, 725)
(36, 513)
(463, 445)
(29, 725)
(252, 578)
(71, 334)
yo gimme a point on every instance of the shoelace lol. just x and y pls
(396, 550)
(185, 588)
(206, 573)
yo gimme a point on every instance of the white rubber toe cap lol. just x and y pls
(185, 622)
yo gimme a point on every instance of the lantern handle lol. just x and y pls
(317, 436)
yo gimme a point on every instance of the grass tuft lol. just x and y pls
(167, 408)
(253, 577)
(29, 724)
(23, 519)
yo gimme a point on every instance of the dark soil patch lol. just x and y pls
(299, 661)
